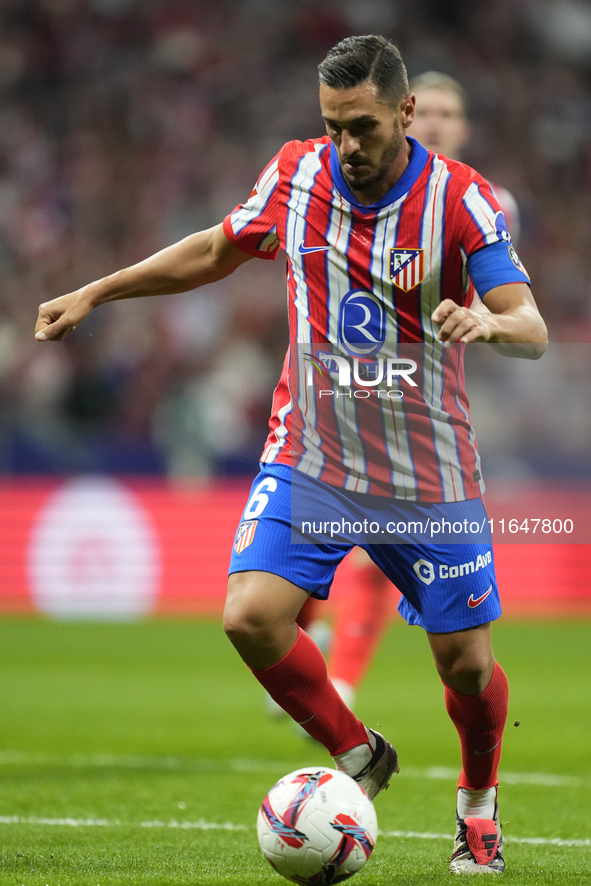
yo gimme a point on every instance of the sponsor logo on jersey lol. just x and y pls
(407, 268)
(245, 535)
(362, 323)
(472, 603)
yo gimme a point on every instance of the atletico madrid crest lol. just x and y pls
(407, 267)
(245, 535)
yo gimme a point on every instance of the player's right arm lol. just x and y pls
(198, 259)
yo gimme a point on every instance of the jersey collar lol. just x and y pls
(418, 160)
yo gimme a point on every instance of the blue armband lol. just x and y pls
(495, 265)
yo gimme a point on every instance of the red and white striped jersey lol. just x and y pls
(509, 208)
(363, 282)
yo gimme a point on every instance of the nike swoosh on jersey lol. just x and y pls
(472, 603)
(306, 249)
(490, 750)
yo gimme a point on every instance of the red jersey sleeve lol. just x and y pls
(252, 226)
(481, 231)
(479, 220)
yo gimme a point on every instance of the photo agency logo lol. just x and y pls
(361, 374)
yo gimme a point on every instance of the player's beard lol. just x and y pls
(388, 157)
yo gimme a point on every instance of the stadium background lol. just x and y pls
(126, 125)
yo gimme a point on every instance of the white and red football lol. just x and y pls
(317, 826)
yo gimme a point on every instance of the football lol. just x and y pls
(317, 826)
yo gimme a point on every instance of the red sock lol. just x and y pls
(362, 618)
(300, 684)
(480, 720)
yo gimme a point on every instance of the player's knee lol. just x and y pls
(464, 659)
(469, 675)
(246, 619)
(241, 623)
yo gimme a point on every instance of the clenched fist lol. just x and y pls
(459, 324)
(60, 316)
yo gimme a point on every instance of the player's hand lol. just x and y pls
(458, 324)
(59, 317)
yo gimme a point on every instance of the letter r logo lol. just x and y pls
(425, 571)
(362, 323)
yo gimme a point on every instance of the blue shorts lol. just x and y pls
(446, 585)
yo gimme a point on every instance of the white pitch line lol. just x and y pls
(62, 822)
(536, 841)
(544, 779)
(548, 841)
(204, 764)
(202, 825)
(131, 762)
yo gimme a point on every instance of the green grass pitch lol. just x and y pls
(139, 754)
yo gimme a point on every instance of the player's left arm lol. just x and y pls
(511, 318)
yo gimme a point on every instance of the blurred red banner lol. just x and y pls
(98, 547)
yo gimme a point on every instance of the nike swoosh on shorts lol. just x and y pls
(472, 603)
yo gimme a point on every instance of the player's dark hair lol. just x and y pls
(373, 58)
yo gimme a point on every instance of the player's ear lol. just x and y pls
(407, 110)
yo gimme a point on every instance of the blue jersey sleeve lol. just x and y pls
(495, 265)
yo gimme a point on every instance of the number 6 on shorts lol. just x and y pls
(259, 500)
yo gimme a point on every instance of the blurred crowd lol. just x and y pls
(128, 124)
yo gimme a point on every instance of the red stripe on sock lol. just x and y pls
(480, 721)
(300, 684)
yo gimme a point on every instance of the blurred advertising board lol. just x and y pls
(99, 547)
